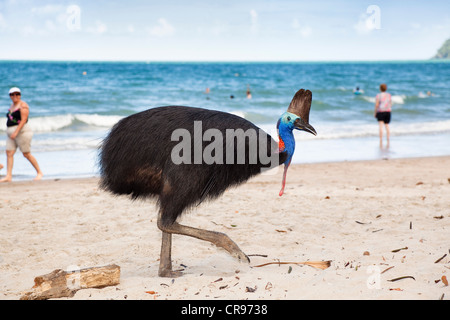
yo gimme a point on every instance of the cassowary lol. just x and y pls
(144, 157)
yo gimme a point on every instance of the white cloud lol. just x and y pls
(50, 25)
(304, 31)
(163, 29)
(3, 23)
(28, 30)
(99, 28)
(361, 26)
(219, 28)
(254, 21)
(48, 9)
(48, 20)
(369, 21)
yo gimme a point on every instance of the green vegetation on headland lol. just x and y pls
(444, 51)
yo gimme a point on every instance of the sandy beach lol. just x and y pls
(376, 221)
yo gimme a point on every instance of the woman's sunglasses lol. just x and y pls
(14, 94)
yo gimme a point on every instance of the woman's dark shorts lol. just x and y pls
(384, 116)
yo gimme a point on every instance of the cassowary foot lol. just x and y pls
(169, 273)
(220, 239)
(241, 256)
(233, 249)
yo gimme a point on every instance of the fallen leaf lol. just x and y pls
(395, 289)
(151, 292)
(366, 253)
(444, 280)
(438, 217)
(284, 231)
(419, 183)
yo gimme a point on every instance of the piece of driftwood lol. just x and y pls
(60, 283)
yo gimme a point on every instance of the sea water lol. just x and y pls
(73, 105)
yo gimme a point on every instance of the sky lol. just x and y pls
(219, 30)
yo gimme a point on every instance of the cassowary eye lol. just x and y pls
(288, 118)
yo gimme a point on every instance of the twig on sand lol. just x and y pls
(315, 264)
(401, 278)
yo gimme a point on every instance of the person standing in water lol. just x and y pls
(382, 113)
(19, 134)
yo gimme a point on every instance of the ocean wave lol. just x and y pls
(396, 99)
(49, 144)
(67, 143)
(59, 122)
(238, 113)
(402, 98)
(51, 137)
(344, 131)
(330, 131)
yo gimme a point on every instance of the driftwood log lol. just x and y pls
(60, 283)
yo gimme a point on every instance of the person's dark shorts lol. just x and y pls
(384, 116)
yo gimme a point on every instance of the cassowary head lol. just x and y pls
(296, 117)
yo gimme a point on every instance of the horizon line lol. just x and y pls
(226, 61)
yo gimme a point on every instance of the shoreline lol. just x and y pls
(73, 163)
(97, 176)
(355, 213)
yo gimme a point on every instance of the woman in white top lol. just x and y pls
(383, 105)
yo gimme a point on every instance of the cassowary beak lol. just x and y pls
(302, 125)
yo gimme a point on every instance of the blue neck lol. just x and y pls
(287, 136)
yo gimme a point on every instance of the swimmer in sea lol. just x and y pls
(358, 91)
(249, 94)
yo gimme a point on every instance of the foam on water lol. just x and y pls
(59, 122)
(396, 99)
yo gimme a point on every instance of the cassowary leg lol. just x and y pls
(165, 261)
(219, 239)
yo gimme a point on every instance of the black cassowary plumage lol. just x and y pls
(136, 158)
